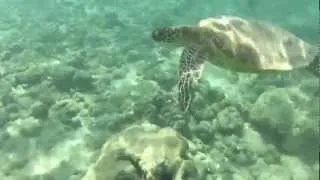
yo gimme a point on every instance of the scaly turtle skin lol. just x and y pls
(237, 44)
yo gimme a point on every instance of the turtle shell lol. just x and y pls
(249, 45)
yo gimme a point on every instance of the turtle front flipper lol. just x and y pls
(190, 70)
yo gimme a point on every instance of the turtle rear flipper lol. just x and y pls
(190, 70)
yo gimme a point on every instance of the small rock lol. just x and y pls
(66, 111)
(39, 110)
(30, 77)
(82, 80)
(229, 121)
(62, 77)
(29, 127)
(204, 131)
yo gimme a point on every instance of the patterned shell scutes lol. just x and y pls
(258, 45)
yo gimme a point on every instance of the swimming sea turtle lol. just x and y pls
(237, 44)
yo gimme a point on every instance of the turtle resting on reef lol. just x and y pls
(237, 44)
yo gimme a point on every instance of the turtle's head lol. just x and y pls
(179, 35)
(166, 34)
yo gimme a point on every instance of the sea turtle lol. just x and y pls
(238, 44)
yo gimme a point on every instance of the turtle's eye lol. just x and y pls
(164, 34)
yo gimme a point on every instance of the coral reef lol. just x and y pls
(144, 151)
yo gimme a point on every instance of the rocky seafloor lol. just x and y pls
(81, 82)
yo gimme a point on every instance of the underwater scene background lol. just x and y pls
(86, 94)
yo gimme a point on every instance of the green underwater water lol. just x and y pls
(74, 73)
